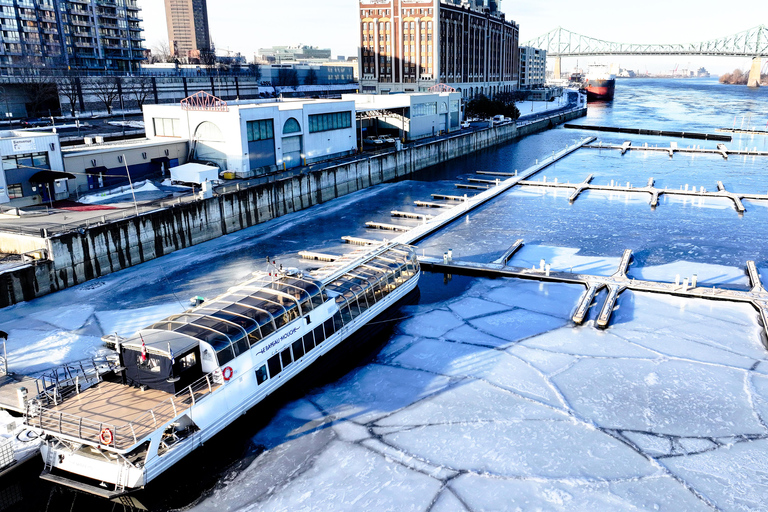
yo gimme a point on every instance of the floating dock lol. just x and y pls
(643, 131)
(615, 284)
(721, 192)
(721, 150)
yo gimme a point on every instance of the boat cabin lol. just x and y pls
(183, 347)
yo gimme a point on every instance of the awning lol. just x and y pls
(97, 170)
(49, 176)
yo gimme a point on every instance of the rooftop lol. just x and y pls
(84, 150)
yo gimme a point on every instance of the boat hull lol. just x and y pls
(601, 90)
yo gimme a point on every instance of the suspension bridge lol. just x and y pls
(751, 43)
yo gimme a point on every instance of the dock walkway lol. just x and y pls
(721, 192)
(721, 150)
(616, 284)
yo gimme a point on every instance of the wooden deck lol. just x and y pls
(113, 404)
(9, 386)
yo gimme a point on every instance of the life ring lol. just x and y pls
(227, 373)
(106, 437)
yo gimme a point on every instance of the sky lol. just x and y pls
(247, 25)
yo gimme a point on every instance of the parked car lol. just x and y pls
(374, 140)
(500, 120)
(387, 139)
(465, 124)
(36, 121)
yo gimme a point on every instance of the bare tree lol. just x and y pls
(106, 89)
(68, 87)
(40, 93)
(140, 87)
(162, 52)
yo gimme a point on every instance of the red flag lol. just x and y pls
(143, 350)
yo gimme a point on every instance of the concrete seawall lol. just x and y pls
(78, 256)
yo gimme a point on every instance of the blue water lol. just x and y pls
(602, 224)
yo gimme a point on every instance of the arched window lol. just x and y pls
(208, 132)
(291, 126)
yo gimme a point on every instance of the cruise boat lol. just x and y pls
(185, 378)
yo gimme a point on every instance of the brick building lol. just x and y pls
(412, 45)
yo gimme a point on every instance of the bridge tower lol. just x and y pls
(558, 73)
(754, 73)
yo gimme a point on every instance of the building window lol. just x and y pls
(14, 191)
(327, 122)
(291, 126)
(260, 130)
(29, 161)
(424, 109)
(167, 127)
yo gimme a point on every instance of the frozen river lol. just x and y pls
(483, 395)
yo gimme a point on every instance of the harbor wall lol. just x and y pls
(80, 255)
(26, 282)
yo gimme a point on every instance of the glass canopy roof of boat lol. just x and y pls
(247, 313)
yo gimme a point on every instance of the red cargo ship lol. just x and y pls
(601, 85)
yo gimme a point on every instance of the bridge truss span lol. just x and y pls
(561, 42)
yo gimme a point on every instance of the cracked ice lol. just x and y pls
(494, 401)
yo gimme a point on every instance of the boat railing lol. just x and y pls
(58, 383)
(120, 437)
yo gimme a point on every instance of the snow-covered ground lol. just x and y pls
(112, 194)
(494, 401)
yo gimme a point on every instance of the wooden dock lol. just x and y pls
(721, 192)
(615, 284)
(10, 385)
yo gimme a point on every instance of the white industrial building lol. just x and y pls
(407, 116)
(533, 67)
(254, 137)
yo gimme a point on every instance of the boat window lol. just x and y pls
(261, 375)
(225, 355)
(317, 300)
(346, 315)
(285, 356)
(233, 332)
(274, 366)
(309, 340)
(333, 324)
(188, 361)
(245, 322)
(241, 346)
(319, 336)
(216, 339)
(298, 349)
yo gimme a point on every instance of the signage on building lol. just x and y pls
(23, 145)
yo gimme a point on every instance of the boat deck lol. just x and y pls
(128, 412)
(113, 404)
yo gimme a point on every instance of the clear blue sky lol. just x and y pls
(246, 25)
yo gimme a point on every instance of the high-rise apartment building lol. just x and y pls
(188, 32)
(411, 45)
(85, 35)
